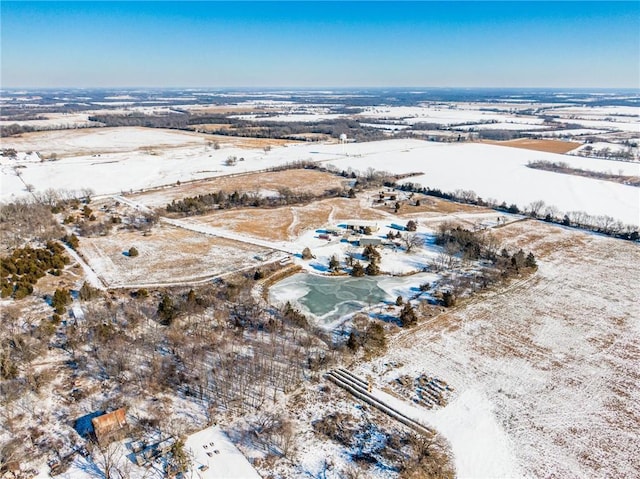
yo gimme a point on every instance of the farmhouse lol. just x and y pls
(360, 228)
(111, 426)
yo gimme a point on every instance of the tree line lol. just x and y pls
(603, 224)
(563, 167)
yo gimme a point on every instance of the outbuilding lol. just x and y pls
(370, 241)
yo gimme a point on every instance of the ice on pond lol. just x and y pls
(328, 298)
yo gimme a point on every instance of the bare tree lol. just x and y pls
(411, 241)
(535, 208)
(109, 460)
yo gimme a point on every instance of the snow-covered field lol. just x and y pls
(545, 372)
(67, 143)
(597, 148)
(499, 126)
(54, 120)
(446, 115)
(491, 171)
(168, 255)
(501, 173)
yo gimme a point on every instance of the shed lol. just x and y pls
(111, 426)
(77, 313)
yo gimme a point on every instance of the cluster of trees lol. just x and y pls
(214, 345)
(366, 335)
(625, 154)
(22, 221)
(242, 127)
(462, 245)
(411, 455)
(293, 130)
(15, 129)
(370, 253)
(20, 271)
(170, 120)
(470, 244)
(201, 204)
(473, 245)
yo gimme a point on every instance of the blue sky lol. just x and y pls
(304, 44)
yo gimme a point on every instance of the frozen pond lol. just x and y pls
(330, 298)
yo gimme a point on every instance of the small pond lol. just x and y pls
(330, 298)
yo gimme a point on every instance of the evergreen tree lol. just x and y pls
(448, 299)
(334, 264)
(408, 316)
(372, 268)
(86, 292)
(357, 270)
(166, 310)
(61, 297)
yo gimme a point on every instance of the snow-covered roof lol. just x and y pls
(215, 456)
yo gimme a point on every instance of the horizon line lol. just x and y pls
(319, 87)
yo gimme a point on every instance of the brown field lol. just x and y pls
(247, 142)
(431, 204)
(550, 146)
(289, 222)
(311, 181)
